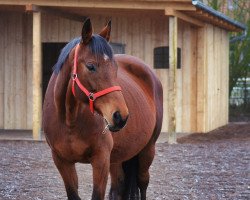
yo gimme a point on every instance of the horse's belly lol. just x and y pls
(139, 129)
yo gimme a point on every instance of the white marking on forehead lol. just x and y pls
(105, 57)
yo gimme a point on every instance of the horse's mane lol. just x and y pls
(98, 46)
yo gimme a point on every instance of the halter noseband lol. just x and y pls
(92, 96)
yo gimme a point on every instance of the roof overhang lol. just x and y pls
(192, 11)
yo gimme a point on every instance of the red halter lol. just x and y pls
(92, 96)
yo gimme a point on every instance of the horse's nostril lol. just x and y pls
(119, 122)
(117, 117)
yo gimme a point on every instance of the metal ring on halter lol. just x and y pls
(74, 76)
(91, 96)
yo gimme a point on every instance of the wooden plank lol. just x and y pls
(2, 28)
(37, 76)
(29, 70)
(173, 37)
(187, 64)
(129, 33)
(135, 38)
(20, 75)
(54, 29)
(193, 81)
(210, 76)
(8, 73)
(219, 103)
(161, 38)
(179, 74)
(148, 51)
(201, 80)
(76, 29)
(221, 79)
(226, 74)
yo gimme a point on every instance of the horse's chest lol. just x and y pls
(73, 149)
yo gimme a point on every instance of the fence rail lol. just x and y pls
(241, 93)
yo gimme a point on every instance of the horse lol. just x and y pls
(105, 110)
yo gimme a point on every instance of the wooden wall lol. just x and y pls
(212, 78)
(217, 75)
(202, 81)
(15, 73)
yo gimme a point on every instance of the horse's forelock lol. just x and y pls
(98, 46)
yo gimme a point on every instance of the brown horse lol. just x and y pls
(114, 127)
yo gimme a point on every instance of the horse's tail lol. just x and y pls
(130, 168)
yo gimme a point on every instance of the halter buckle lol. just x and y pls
(74, 76)
(91, 96)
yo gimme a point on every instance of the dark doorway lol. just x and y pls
(50, 54)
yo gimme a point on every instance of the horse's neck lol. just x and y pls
(68, 108)
(66, 105)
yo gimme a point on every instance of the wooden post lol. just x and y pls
(173, 35)
(37, 76)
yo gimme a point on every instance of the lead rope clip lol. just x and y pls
(104, 130)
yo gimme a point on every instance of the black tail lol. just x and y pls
(130, 168)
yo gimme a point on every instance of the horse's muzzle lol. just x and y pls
(118, 122)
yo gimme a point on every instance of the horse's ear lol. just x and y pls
(87, 31)
(105, 33)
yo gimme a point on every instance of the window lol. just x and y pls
(161, 58)
(118, 48)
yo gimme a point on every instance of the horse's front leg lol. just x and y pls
(68, 173)
(100, 176)
(101, 163)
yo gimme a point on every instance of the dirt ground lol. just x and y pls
(201, 166)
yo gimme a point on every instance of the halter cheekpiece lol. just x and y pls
(91, 96)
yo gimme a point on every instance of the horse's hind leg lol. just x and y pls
(68, 173)
(146, 157)
(117, 182)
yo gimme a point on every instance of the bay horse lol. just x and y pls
(106, 110)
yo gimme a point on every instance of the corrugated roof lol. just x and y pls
(218, 14)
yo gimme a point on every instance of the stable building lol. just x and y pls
(184, 41)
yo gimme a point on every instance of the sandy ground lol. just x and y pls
(201, 166)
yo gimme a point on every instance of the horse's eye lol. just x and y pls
(91, 67)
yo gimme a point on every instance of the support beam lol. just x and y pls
(173, 35)
(37, 76)
(184, 17)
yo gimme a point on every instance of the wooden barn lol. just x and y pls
(184, 41)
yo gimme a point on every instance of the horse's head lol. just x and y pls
(96, 72)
